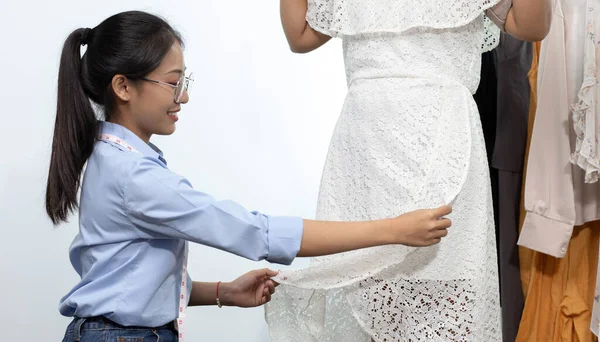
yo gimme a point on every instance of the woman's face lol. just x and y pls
(153, 106)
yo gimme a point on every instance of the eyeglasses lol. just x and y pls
(183, 84)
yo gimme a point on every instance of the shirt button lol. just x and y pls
(563, 249)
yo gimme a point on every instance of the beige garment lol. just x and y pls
(556, 196)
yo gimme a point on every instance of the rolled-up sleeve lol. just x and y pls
(163, 204)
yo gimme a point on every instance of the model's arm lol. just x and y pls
(529, 20)
(300, 36)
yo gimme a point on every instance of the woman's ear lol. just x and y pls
(122, 87)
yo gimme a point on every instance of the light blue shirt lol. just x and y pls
(135, 217)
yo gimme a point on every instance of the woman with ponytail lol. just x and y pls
(136, 216)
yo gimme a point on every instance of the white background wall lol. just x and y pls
(256, 130)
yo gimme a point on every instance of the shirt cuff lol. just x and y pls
(284, 236)
(545, 235)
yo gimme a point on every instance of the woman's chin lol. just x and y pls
(167, 130)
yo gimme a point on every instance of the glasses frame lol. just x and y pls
(185, 82)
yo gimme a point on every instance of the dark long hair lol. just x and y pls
(132, 44)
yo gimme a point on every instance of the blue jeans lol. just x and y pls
(100, 329)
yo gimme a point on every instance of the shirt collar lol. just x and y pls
(148, 150)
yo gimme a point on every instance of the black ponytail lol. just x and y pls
(75, 130)
(132, 44)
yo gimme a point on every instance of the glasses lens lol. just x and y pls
(189, 82)
(179, 89)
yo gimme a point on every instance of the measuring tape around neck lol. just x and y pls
(118, 141)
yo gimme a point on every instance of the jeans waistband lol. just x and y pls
(101, 323)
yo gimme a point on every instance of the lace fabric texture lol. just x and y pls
(338, 18)
(409, 137)
(492, 35)
(585, 114)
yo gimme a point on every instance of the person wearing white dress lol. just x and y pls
(409, 136)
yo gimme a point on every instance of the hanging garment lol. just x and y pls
(409, 137)
(526, 254)
(485, 98)
(557, 292)
(585, 112)
(595, 319)
(560, 291)
(556, 194)
(587, 121)
(514, 63)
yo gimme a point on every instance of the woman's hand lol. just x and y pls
(251, 289)
(421, 228)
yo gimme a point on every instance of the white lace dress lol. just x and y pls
(409, 137)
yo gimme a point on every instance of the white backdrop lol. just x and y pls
(256, 130)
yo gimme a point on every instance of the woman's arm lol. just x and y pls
(204, 293)
(418, 228)
(251, 289)
(529, 20)
(300, 36)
